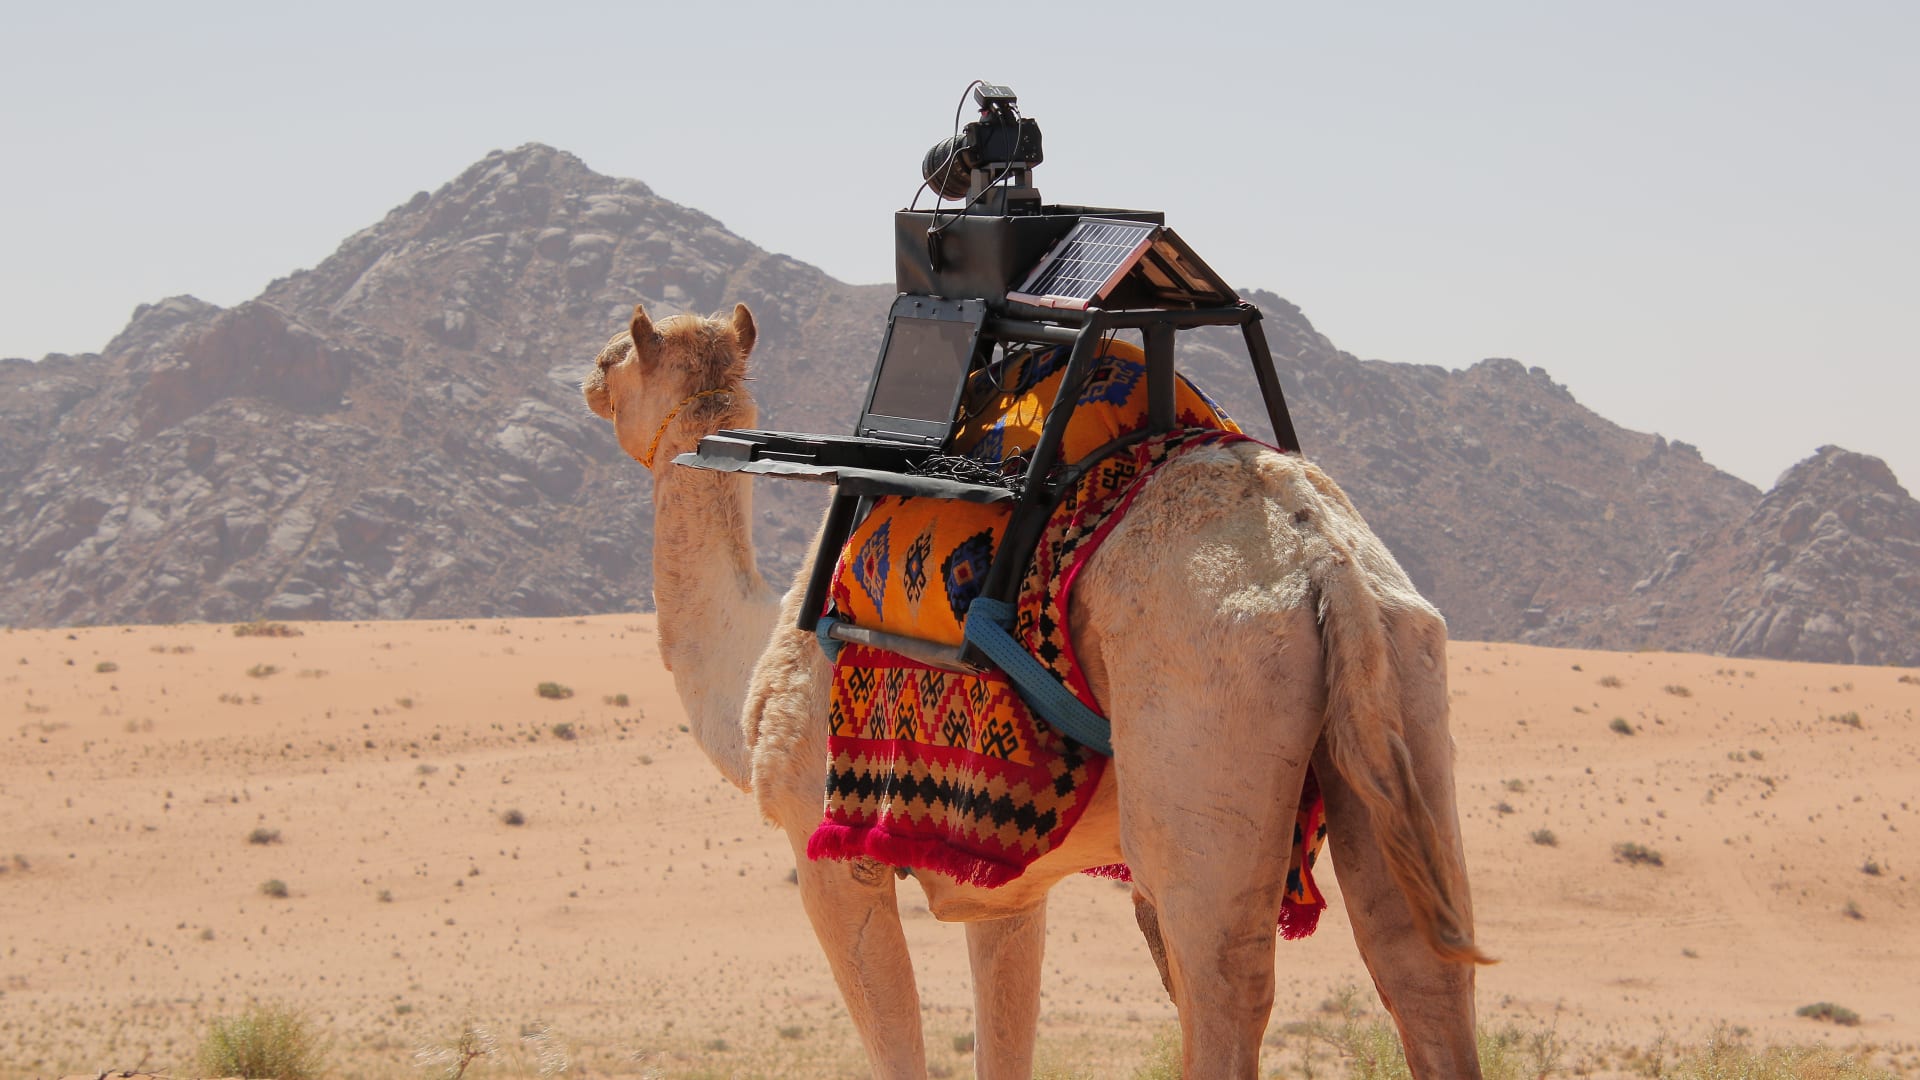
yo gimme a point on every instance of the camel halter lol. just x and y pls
(654, 446)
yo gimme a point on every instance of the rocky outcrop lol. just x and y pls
(1825, 567)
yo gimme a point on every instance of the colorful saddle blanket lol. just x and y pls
(955, 773)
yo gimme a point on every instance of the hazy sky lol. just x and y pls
(1701, 217)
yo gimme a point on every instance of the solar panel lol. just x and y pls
(1087, 263)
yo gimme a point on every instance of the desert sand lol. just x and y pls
(644, 911)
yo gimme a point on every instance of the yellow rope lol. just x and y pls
(654, 446)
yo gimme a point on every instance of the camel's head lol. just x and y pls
(672, 383)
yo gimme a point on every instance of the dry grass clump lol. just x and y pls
(1725, 1059)
(1850, 719)
(263, 835)
(261, 671)
(1637, 855)
(1611, 682)
(553, 691)
(1544, 837)
(263, 628)
(265, 1040)
(1677, 690)
(106, 667)
(616, 700)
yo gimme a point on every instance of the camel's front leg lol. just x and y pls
(855, 916)
(1431, 1000)
(1006, 955)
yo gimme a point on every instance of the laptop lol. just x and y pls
(931, 346)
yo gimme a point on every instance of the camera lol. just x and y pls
(990, 159)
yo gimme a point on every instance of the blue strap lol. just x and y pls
(987, 622)
(829, 645)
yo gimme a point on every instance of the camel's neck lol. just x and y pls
(715, 610)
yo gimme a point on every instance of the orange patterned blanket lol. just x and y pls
(955, 773)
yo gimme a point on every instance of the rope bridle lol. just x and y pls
(654, 446)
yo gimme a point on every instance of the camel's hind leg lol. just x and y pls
(852, 908)
(1006, 955)
(1431, 1000)
(1210, 768)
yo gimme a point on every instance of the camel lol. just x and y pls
(1240, 623)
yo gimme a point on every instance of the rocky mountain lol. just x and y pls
(397, 433)
(1825, 567)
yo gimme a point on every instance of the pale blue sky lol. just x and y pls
(1701, 217)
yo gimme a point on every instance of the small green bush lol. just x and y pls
(264, 1041)
(564, 731)
(1620, 726)
(1827, 1010)
(1637, 854)
(617, 700)
(553, 691)
(275, 888)
(106, 667)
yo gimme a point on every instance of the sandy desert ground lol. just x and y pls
(644, 911)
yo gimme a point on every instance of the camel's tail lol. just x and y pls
(1366, 738)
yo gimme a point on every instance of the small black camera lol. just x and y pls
(997, 149)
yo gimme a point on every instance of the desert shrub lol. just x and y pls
(792, 1031)
(1637, 854)
(553, 691)
(275, 888)
(1518, 787)
(1611, 682)
(1545, 838)
(963, 1043)
(1827, 1010)
(266, 1041)
(1677, 690)
(1163, 1060)
(1503, 807)
(564, 730)
(1852, 910)
(264, 835)
(261, 671)
(514, 817)
(1849, 718)
(106, 667)
(1620, 726)
(619, 700)
(385, 896)
(1910, 679)
(263, 628)
(1871, 868)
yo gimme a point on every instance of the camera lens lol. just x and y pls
(945, 169)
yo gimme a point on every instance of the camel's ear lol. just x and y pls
(744, 329)
(646, 340)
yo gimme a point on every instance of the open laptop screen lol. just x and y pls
(923, 366)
